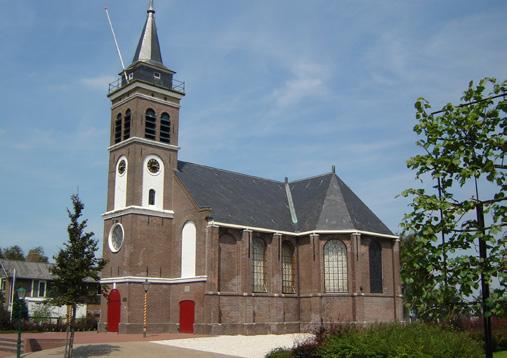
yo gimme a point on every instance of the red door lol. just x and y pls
(187, 309)
(113, 310)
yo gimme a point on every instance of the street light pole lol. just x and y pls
(21, 296)
(146, 286)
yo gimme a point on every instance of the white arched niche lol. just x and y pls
(153, 180)
(120, 183)
(188, 241)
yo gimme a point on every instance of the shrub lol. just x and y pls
(395, 340)
(279, 353)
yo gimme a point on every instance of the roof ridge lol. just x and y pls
(312, 177)
(233, 172)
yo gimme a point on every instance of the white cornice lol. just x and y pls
(140, 210)
(304, 233)
(143, 141)
(143, 279)
(149, 98)
(137, 84)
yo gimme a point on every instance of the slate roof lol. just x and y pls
(25, 269)
(323, 202)
(148, 48)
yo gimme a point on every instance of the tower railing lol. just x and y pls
(175, 85)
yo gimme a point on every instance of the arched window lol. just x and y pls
(117, 129)
(165, 128)
(188, 246)
(375, 254)
(288, 268)
(151, 197)
(126, 125)
(258, 265)
(335, 266)
(150, 124)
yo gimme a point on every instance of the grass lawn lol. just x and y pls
(502, 354)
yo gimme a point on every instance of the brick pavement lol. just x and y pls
(103, 338)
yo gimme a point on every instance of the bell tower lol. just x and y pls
(143, 156)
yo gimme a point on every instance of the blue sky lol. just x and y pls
(274, 89)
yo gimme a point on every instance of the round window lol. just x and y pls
(116, 238)
(153, 166)
(122, 166)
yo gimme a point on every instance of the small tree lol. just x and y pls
(36, 255)
(14, 253)
(76, 268)
(462, 167)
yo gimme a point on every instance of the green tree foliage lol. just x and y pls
(463, 147)
(76, 267)
(19, 310)
(14, 253)
(36, 255)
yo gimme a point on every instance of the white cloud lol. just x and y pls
(307, 80)
(97, 82)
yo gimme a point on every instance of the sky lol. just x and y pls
(273, 89)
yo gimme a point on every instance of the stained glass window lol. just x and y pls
(335, 266)
(258, 265)
(288, 268)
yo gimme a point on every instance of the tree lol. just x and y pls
(462, 171)
(14, 253)
(76, 268)
(36, 255)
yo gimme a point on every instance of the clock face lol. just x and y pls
(122, 166)
(116, 238)
(153, 166)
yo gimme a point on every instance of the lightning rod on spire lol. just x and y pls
(116, 43)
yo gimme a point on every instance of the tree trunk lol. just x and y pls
(69, 344)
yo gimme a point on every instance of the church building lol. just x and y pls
(191, 248)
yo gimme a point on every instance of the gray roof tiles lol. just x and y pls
(25, 269)
(323, 202)
(148, 48)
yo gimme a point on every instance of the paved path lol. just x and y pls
(104, 338)
(125, 350)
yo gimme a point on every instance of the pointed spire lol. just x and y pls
(148, 48)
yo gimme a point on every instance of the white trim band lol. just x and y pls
(134, 209)
(144, 96)
(143, 141)
(143, 279)
(136, 83)
(304, 233)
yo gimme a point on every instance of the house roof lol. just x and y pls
(323, 202)
(25, 269)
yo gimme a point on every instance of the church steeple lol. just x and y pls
(148, 48)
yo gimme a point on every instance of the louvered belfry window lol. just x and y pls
(165, 128)
(335, 266)
(150, 124)
(375, 255)
(117, 129)
(126, 125)
(288, 268)
(258, 265)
